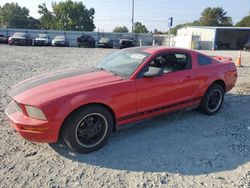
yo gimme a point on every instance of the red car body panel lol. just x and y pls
(59, 94)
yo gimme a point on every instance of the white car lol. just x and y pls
(60, 41)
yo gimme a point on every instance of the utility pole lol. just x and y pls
(133, 13)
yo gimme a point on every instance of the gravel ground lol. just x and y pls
(184, 149)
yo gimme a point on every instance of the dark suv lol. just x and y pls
(247, 44)
(105, 43)
(86, 41)
(126, 41)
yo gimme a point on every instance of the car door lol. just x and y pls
(173, 87)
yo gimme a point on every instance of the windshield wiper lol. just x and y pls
(107, 70)
(101, 68)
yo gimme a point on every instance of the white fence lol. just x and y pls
(72, 35)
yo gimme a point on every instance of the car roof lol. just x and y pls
(156, 49)
(42, 34)
(20, 33)
(60, 36)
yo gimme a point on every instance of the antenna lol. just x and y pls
(133, 13)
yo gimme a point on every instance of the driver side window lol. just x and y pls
(172, 62)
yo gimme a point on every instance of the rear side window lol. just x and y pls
(203, 60)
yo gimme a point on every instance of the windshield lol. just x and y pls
(19, 35)
(123, 63)
(127, 37)
(60, 37)
(42, 36)
(104, 39)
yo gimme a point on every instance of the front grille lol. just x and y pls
(19, 41)
(40, 42)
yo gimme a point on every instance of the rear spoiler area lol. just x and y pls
(222, 58)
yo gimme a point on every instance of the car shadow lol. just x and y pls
(188, 143)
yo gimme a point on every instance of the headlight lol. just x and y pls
(35, 112)
(17, 107)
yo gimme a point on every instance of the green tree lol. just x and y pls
(14, 16)
(209, 17)
(123, 29)
(139, 28)
(156, 32)
(48, 19)
(33, 23)
(215, 17)
(67, 15)
(245, 22)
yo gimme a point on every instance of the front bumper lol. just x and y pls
(59, 44)
(126, 45)
(21, 42)
(104, 45)
(41, 43)
(32, 129)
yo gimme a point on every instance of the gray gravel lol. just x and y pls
(184, 149)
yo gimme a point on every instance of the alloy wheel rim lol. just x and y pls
(214, 100)
(91, 130)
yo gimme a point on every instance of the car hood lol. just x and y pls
(44, 88)
(18, 37)
(130, 40)
(59, 40)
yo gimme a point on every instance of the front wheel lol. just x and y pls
(88, 129)
(213, 99)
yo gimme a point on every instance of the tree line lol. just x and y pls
(70, 15)
(216, 16)
(66, 15)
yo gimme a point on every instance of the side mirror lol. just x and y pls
(153, 72)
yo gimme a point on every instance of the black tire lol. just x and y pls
(82, 125)
(213, 100)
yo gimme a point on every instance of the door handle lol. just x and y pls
(188, 78)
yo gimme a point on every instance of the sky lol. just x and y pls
(154, 14)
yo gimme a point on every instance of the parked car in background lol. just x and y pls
(3, 39)
(247, 46)
(60, 40)
(126, 41)
(84, 108)
(105, 43)
(42, 40)
(22, 39)
(222, 46)
(86, 41)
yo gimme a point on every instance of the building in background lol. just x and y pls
(212, 38)
(164, 40)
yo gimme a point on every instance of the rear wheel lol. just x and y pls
(213, 99)
(88, 129)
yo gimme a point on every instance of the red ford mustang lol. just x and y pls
(127, 86)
